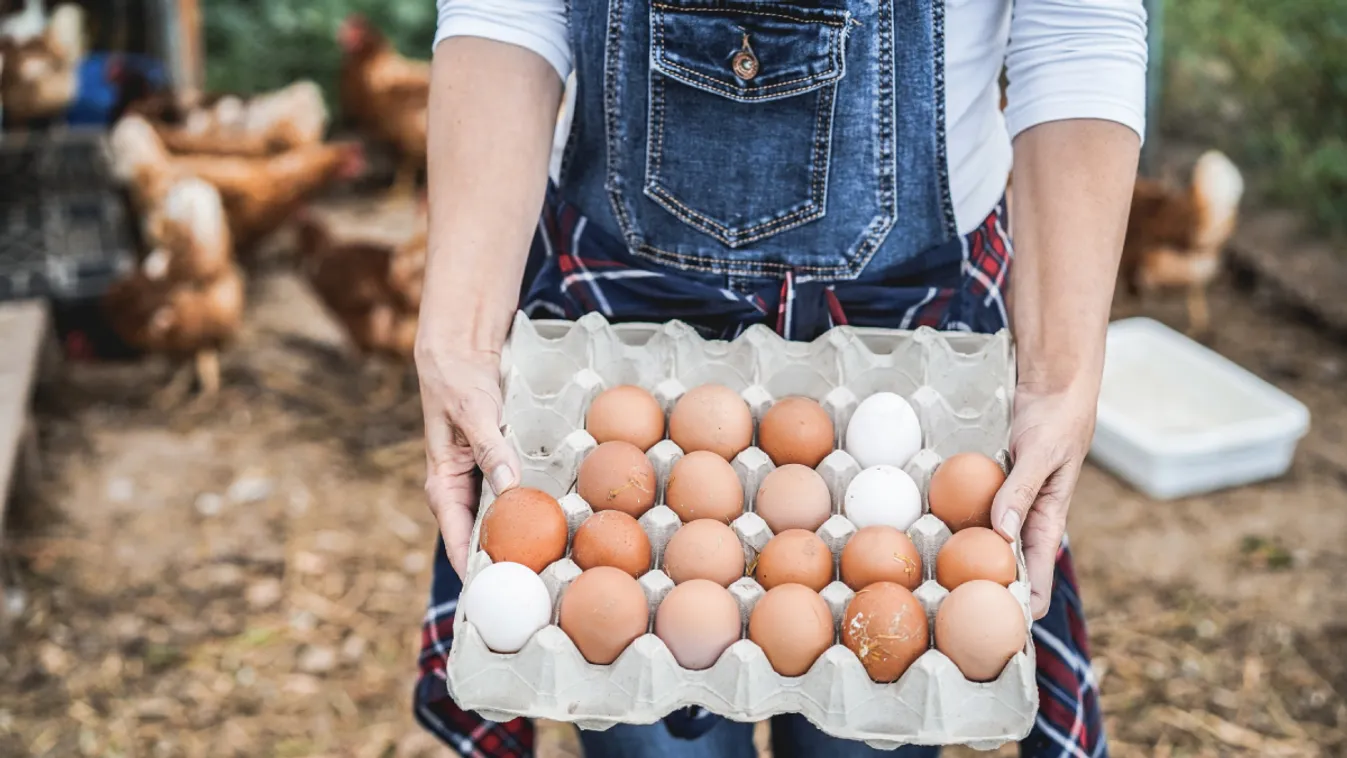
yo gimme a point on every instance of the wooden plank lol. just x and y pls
(23, 334)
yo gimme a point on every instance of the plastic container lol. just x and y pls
(959, 385)
(1177, 419)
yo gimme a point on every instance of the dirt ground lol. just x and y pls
(245, 577)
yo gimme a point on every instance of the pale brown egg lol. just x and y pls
(603, 611)
(980, 626)
(880, 554)
(793, 626)
(885, 626)
(617, 476)
(612, 538)
(975, 553)
(698, 620)
(796, 430)
(962, 490)
(704, 549)
(712, 417)
(794, 556)
(704, 485)
(524, 525)
(793, 497)
(628, 413)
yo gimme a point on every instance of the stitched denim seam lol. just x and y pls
(879, 227)
(746, 11)
(941, 155)
(616, 197)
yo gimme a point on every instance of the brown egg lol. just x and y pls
(885, 626)
(612, 538)
(793, 626)
(704, 549)
(525, 526)
(795, 556)
(603, 611)
(793, 497)
(698, 620)
(880, 554)
(975, 553)
(962, 489)
(796, 430)
(628, 413)
(712, 417)
(980, 626)
(704, 485)
(617, 476)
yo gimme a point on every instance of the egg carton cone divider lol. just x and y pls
(961, 386)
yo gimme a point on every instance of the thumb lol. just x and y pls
(1010, 508)
(480, 424)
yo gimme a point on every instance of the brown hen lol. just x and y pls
(40, 76)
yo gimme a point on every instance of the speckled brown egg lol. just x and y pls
(617, 476)
(975, 553)
(980, 626)
(880, 554)
(603, 611)
(962, 490)
(796, 430)
(627, 413)
(704, 485)
(794, 556)
(793, 626)
(712, 417)
(698, 620)
(793, 497)
(524, 525)
(612, 538)
(704, 549)
(886, 627)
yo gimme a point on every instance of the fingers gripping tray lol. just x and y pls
(959, 384)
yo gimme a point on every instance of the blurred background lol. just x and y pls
(215, 541)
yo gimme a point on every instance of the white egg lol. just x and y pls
(507, 603)
(882, 495)
(884, 431)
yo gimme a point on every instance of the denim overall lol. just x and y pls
(747, 161)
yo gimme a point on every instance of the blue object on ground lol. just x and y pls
(102, 79)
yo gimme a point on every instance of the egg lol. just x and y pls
(796, 430)
(603, 611)
(704, 485)
(885, 626)
(617, 476)
(975, 553)
(704, 549)
(507, 603)
(627, 413)
(793, 626)
(524, 525)
(883, 431)
(882, 495)
(612, 538)
(698, 620)
(793, 497)
(712, 417)
(794, 556)
(880, 554)
(980, 626)
(962, 490)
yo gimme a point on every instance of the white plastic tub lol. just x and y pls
(1177, 419)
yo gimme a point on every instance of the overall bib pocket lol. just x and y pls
(741, 114)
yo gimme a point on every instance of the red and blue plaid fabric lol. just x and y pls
(575, 268)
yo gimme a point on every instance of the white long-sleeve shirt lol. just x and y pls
(1064, 59)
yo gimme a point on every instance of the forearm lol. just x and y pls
(493, 108)
(1073, 185)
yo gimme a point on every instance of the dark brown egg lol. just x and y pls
(617, 476)
(712, 417)
(793, 497)
(524, 525)
(612, 538)
(628, 413)
(886, 627)
(880, 554)
(704, 485)
(796, 430)
(795, 556)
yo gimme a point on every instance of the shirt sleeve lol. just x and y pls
(537, 25)
(1076, 59)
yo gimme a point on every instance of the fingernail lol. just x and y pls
(1010, 525)
(501, 478)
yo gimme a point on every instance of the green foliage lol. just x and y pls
(1266, 81)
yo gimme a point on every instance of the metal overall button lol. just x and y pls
(745, 63)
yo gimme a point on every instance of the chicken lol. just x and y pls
(40, 77)
(273, 122)
(387, 95)
(189, 234)
(1175, 237)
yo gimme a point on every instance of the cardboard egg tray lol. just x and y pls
(961, 387)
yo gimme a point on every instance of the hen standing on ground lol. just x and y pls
(272, 122)
(40, 75)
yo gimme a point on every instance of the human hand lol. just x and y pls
(461, 402)
(1049, 440)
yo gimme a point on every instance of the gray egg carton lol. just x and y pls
(961, 387)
